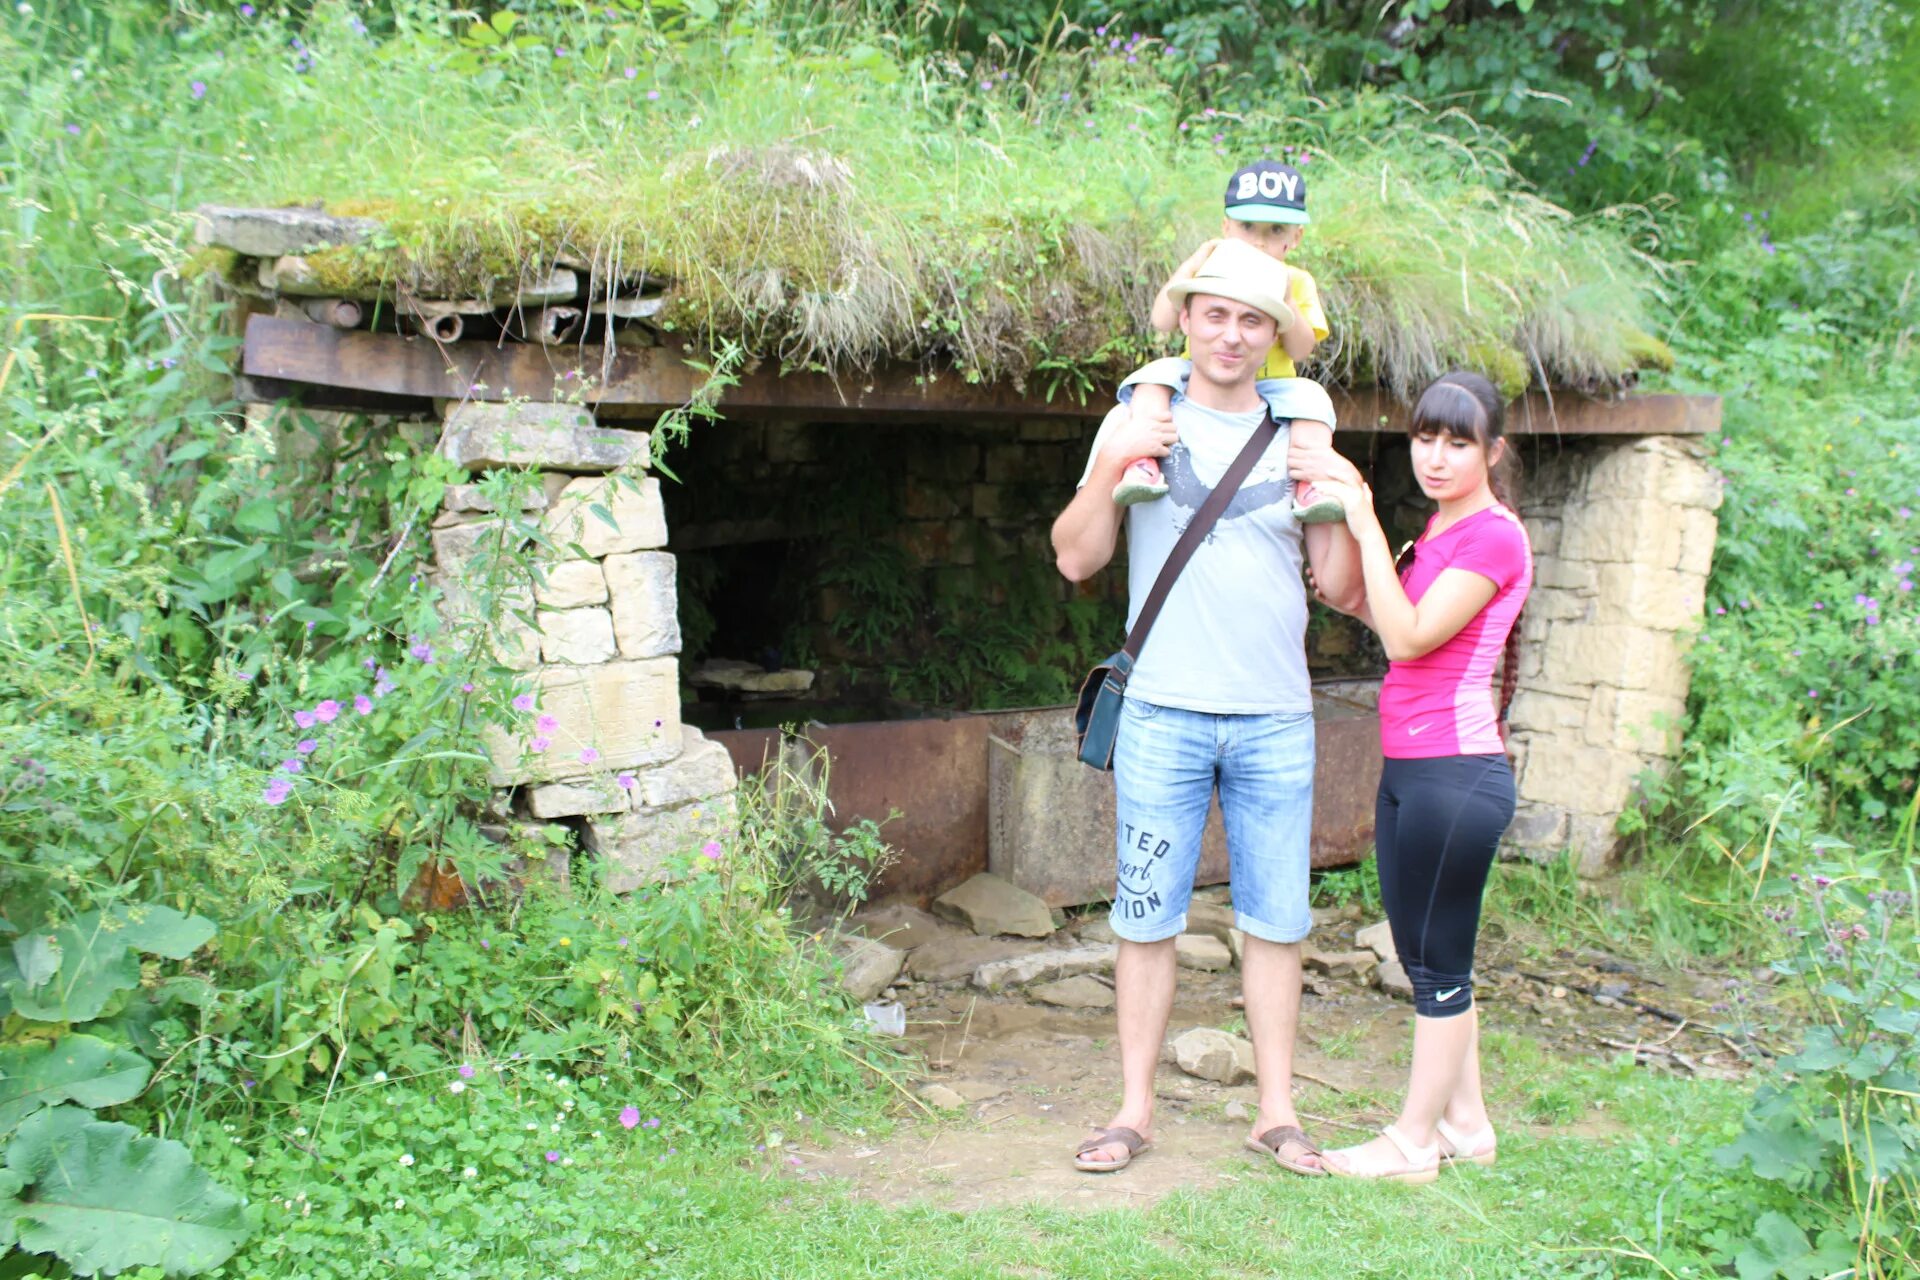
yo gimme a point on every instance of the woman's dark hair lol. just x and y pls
(1468, 406)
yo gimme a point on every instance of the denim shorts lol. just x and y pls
(1166, 764)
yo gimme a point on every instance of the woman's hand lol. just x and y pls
(1358, 501)
(1318, 465)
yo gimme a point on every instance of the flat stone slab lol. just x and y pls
(1083, 992)
(1211, 1054)
(1377, 938)
(958, 955)
(1018, 971)
(555, 437)
(940, 1097)
(987, 904)
(900, 925)
(1338, 964)
(1212, 918)
(1202, 951)
(1393, 980)
(744, 677)
(270, 233)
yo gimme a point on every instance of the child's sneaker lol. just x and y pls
(1313, 508)
(1142, 482)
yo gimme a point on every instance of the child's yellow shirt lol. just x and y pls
(1303, 295)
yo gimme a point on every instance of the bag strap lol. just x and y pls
(1196, 532)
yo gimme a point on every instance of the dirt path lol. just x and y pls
(1035, 1078)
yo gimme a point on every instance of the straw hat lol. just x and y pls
(1237, 270)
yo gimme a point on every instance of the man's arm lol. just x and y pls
(1332, 553)
(1085, 533)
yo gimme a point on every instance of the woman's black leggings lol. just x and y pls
(1437, 826)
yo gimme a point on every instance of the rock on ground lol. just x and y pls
(1212, 1054)
(899, 925)
(1201, 951)
(1017, 971)
(988, 904)
(1377, 938)
(941, 1098)
(1083, 992)
(1338, 964)
(1211, 918)
(1392, 979)
(958, 955)
(867, 967)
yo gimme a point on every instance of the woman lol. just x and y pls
(1446, 615)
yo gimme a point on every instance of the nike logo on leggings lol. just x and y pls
(1444, 996)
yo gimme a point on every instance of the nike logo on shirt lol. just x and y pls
(1414, 733)
(1448, 994)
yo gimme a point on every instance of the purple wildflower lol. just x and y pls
(422, 652)
(466, 686)
(198, 89)
(653, 1122)
(588, 755)
(711, 849)
(653, 95)
(306, 746)
(74, 129)
(327, 711)
(631, 73)
(624, 782)
(466, 1071)
(524, 702)
(277, 791)
(247, 11)
(293, 765)
(363, 704)
(539, 744)
(305, 719)
(553, 1157)
(382, 683)
(629, 1116)
(546, 724)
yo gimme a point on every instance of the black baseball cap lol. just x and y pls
(1267, 191)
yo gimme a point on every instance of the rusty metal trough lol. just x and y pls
(1002, 791)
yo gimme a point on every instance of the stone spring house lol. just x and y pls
(1619, 502)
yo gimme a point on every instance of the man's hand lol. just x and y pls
(1151, 434)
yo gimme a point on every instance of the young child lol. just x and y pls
(1267, 208)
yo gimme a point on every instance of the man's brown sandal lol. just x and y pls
(1277, 1139)
(1127, 1138)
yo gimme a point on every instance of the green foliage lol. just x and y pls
(1836, 1126)
(105, 1199)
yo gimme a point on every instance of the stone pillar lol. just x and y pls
(602, 649)
(1623, 534)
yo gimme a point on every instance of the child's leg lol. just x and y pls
(1308, 506)
(1142, 481)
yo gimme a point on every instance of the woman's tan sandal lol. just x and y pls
(1479, 1148)
(1130, 1139)
(1423, 1162)
(1277, 1139)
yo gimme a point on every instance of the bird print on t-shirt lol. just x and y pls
(1187, 491)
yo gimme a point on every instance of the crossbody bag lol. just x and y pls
(1096, 718)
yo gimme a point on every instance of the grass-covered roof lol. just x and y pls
(844, 206)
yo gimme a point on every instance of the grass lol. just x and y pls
(1557, 1205)
(831, 198)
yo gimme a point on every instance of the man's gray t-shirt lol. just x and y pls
(1231, 638)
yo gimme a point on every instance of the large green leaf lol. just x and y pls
(79, 1069)
(94, 963)
(150, 927)
(105, 1199)
(68, 974)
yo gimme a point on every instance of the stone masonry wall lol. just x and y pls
(1623, 534)
(601, 652)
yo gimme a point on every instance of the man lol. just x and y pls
(1220, 694)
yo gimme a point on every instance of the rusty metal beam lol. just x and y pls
(646, 381)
